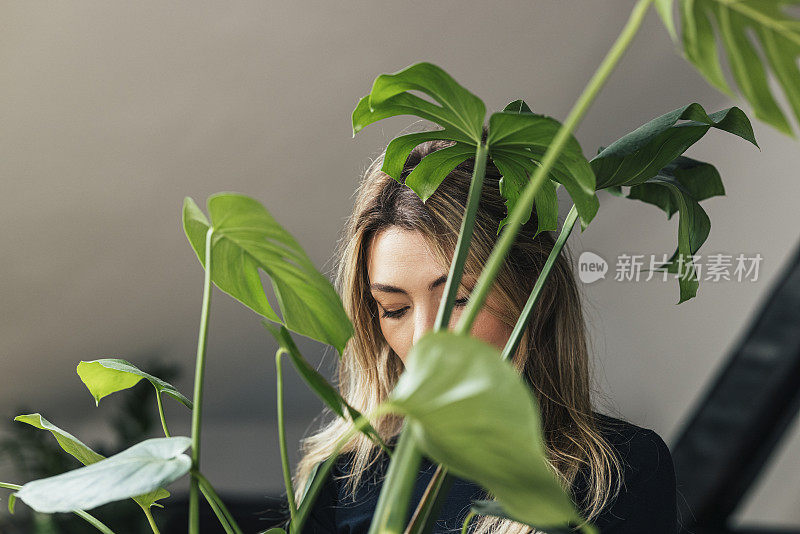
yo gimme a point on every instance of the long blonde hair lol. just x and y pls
(552, 356)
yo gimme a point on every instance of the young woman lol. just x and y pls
(393, 260)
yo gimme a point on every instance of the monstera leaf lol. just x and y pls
(247, 238)
(516, 141)
(649, 161)
(472, 412)
(778, 35)
(84, 454)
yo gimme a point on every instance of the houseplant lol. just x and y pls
(241, 237)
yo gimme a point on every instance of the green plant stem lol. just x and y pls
(7, 485)
(525, 202)
(151, 520)
(96, 523)
(161, 414)
(464, 239)
(215, 501)
(466, 522)
(296, 527)
(522, 323)
(194, 504)
(287, 475)
(392, 508)
(217, 511)
(550, 156)
(398, 485)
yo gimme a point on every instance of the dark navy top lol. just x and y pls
(646, 502)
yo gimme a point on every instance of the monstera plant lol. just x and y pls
(535, 155)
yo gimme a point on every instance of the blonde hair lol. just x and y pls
(552, 355)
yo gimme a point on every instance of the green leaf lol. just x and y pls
(493, 508)
(458, 110)
(329, 395)
(473, 413)
(247, 238)
(518, 106)
(778, 35)
(399, 148)
(664, 8)
(639, 155)
(84, 454)
(12, 500)
(109, 375)
(524, 138)
(433, 168)
(693, 227)
(515, 177)
(142, 468)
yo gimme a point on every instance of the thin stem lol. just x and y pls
(151, 520)
(217, 511)
(211, 495)
(194, 504)
(161, 414)
(412, 455)
(540, 173)
(524, 204)
(392, 508)
(464, 239)
(96, 523)
(7, 485)
(287, 475)
(522, 323)
(469, 517)
(296, 527)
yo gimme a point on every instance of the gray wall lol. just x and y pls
(112, 112)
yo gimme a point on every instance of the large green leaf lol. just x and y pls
(458, 110)
(109, 375)
(326, 392)
(640, 154)
(247, 238)
(473, 413)
(649, 161)
(524, 138)
(778, 35)
(85, 455)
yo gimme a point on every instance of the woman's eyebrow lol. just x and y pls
(384, 288)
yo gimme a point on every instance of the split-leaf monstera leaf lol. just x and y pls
(649, 161)
(517, 140)
(778, 37)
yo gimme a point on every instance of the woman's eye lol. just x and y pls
(394, 313)
(461, 301)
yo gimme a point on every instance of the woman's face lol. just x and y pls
(407, 284)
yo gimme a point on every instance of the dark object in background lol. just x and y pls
(729, 438)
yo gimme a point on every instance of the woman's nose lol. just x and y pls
(424, 320)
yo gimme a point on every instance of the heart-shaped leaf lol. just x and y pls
(247, 238)
(519, 140)
(778, 34)
(326, 392)
(493, 508)
(138, 471)
(473, 413)
(109, 375)
(640, 154)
